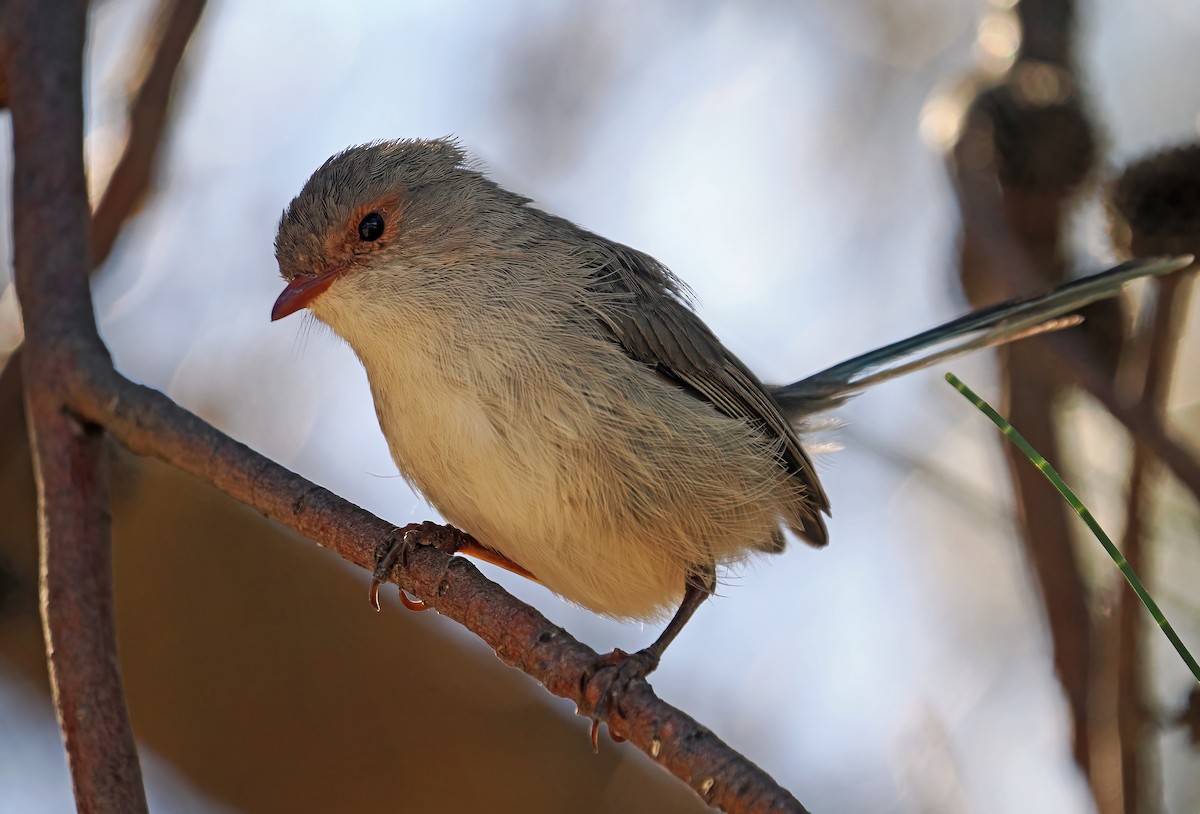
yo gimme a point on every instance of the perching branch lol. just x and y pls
(75, 391)
(149, 423)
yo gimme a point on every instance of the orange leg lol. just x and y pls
(479, 552)
(444, 538)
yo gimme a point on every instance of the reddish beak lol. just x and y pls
(301, 291)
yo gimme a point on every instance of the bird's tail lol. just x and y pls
(997, 325)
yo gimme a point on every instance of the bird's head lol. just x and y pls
(380, 210)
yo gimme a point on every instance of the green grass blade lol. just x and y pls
(1076, 504)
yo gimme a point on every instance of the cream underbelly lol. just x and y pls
(607, 512)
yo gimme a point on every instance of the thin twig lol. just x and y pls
(1051, 474)
(154, 85)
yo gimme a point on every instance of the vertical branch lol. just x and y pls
(1000, 167)
(1133, 717)
(50, 221)
(991, 248)
(1153, 206)
(77, 606)
(1159, 216)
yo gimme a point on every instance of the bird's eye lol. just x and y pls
(370, 228)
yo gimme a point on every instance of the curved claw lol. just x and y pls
(625, 668)
(412, 604)
(405, 599)
(383, 569)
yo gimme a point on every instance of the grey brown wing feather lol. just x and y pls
(659, 329)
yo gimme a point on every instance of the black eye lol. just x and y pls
(371, 227)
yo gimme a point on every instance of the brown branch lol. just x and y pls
(1133, 718)
(151, 424)
(154, 83)
(67, 365)
(77, 606)
(1001, 162)
(1047, 30)
(1007, 261)
(154, 86)
(1026, 148)
(1044, 521)
(50, 216)
(997, 250)
(3, 71)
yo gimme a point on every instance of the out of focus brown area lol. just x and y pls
(240, 647)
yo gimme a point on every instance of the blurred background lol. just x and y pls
(787, 160)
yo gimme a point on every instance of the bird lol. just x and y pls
(554, 394)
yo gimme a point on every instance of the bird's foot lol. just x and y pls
(394, 551)
(395, 548)
(609, 679)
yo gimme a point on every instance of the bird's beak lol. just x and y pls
(301, 291)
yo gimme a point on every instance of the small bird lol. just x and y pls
(553, 394)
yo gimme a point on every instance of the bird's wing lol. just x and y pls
(997, 325)
(645, 312)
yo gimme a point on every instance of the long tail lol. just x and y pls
(997, 325)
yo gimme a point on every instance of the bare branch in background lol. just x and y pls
(1133, 718)
(1070, 354)
(1153, 206)
(1028, 138)
(153, 87)
(1026, 148)
(3, 70)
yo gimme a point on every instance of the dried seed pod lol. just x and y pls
(1154, 205)
(1043, 140)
